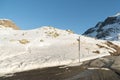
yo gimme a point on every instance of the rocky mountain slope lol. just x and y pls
(8, 23)
(109, 29)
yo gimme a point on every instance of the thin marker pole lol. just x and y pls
(79, 48)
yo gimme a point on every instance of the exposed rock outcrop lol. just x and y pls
(8, 24)
(109, 29)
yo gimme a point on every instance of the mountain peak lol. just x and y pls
(109, 29)
(6, 23)
(118, 14)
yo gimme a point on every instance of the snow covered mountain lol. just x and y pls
(109, 29)
(22, 50)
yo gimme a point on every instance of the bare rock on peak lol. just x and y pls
(8, 24)
(109, 29)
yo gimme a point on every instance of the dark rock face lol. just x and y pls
(110, 20)
(116, 65)
(89, 31)
(102, 62)
(105, 68)
(96, 74)
(102, 30)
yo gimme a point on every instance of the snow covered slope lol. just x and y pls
(107, 30)
(22, 50)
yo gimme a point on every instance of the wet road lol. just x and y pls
(53, 73)
(65, 73)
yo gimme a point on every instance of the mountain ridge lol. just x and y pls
(109, 29)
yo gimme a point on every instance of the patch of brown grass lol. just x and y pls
(98, 52)
(24, 41)
(101, 46)
(70, 31)
(110, 45)
(52, 34)
(116, 47)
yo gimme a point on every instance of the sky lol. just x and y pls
(77, 15)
